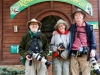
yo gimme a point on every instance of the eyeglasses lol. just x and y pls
(60, 26)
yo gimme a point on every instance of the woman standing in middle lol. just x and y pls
(59, 45)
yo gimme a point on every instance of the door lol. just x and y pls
(48, 24)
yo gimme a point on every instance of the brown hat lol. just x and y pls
(61, 22)
(78, 10)
(34, 21)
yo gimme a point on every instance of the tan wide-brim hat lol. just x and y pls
(34, 21)
(61, 22)
(78, 10)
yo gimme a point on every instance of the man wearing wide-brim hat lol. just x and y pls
(79, 10)
(34, 42)
(82, 43)
(34, 21)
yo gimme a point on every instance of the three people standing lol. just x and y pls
(77, 43)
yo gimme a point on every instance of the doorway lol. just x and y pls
(48, 24)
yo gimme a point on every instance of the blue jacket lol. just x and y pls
(90, 36)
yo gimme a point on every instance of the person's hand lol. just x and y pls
(59, 48)
(54, 32)
(27, 57)
(92, 53)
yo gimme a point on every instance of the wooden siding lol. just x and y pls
(8, 36)
(39, 11)
(1, 29)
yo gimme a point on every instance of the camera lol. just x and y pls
(85, 50)
(95, 65)
(36, 46)
(38, 57)
(82, 50)
(62, 46)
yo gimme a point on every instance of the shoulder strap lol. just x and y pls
(80, 32)
(38, 43)
(28, 41)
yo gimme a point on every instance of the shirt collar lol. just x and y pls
(83, 24)
(32, 34)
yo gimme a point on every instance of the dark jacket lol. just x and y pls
(26, 41)
(90, 36)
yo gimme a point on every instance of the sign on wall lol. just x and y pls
(14, 48)
(95, 24)
(22, 4)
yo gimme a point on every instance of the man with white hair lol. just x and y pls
(33, 47)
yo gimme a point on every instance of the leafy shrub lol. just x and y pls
(92, 71)
(11, 71)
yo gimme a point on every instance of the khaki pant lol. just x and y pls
(37, 68)
(80, 62)
(60, 67)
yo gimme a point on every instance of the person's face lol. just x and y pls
(61, 27)
(78, 16)
(34, 27)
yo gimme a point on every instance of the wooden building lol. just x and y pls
(48, 13)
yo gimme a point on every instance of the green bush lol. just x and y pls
(11, 71)
(92, 71)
